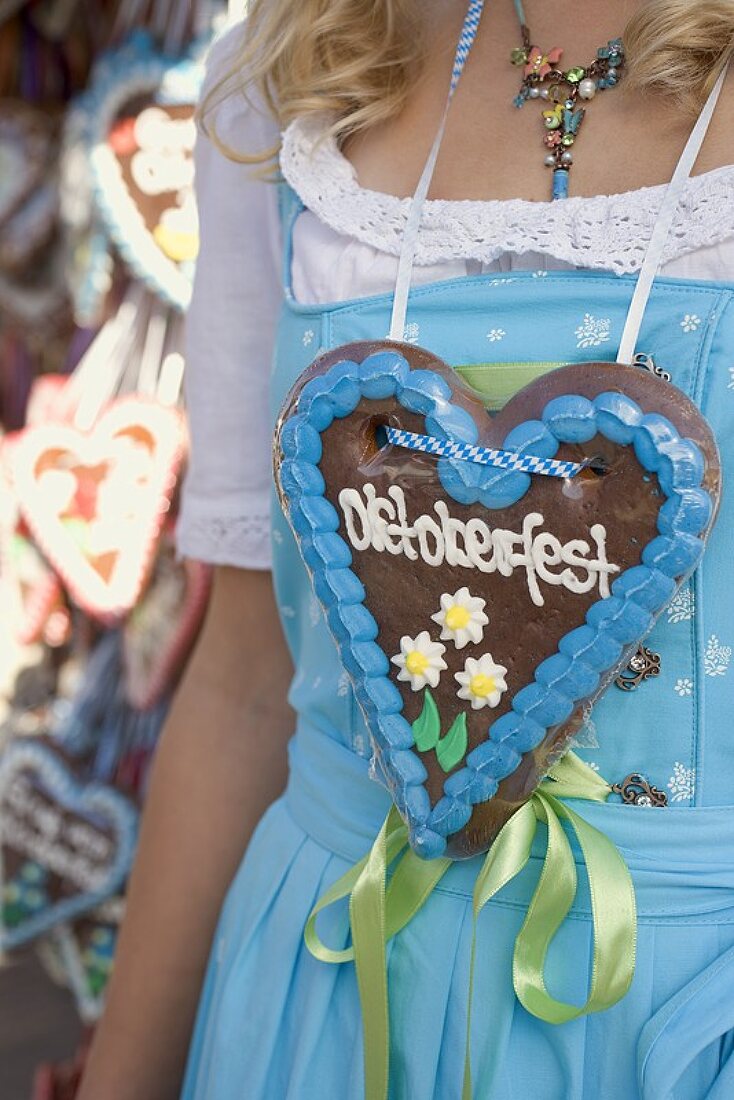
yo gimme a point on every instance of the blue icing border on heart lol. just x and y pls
(586, 655)
(85, 798)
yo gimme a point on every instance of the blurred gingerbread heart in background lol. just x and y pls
(96, 500)
(141, 139)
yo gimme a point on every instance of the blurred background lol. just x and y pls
(98, 242)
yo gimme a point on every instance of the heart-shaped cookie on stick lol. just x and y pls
(65, 845)
(33, 592)
(96, 500)
(87, 949)
(486, 578)
(140, 139)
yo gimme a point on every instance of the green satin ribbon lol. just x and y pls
(496, 383)
(377, 912)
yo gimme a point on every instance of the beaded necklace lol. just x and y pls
(544, 79)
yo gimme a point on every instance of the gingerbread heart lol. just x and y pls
(65, 845)
(49, 399)
(479, 610)
(96, 501)
(87, 950)
(141, 152)
(161, 630)
(35, 598)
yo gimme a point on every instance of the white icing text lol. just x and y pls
(382, 524)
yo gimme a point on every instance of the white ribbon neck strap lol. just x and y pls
(663, 225)
(412, 225)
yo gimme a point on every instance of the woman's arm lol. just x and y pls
(222, 756)
(220, 763)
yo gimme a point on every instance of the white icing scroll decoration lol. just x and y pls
(70, 848)
(163, 162)
(381, 523)
(154, 129)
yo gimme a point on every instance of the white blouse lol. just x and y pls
(345, 245)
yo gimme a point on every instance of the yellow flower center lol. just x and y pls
(481, 686)
(457, 617)
(416, 663)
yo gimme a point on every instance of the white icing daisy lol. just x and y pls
(482, 681)
(461, 618)
(420, 660)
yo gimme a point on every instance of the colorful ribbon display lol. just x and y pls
(377, 913)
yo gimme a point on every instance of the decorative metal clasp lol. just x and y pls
(634, 790)
(648, 363)
(643, 666)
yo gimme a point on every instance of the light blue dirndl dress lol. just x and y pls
(274, 1023)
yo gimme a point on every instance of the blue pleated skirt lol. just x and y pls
(276, 1024)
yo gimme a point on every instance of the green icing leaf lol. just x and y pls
(427, 727)
(451, 749)
(96, 981)
(13, 915)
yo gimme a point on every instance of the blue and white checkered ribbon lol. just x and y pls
(485, 456)
(412, 223)
(466, 41)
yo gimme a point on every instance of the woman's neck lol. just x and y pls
(494, 150)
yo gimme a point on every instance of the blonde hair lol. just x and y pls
(357, 59)
(678, 47)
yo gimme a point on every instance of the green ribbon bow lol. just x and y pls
(378, 911)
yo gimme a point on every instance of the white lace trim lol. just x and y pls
(243, 541)
(609, 232)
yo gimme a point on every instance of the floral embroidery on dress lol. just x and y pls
(587, 737)
(314, 611)
(539, 274)
(288, 612)
(683, 686)
(593, 331)
(411, 334)
(342, 684)
(690, 322)
(277, 536)
(682, 606)
(308, 337)
(593, 765)
(682, 782)
(496, 334)
(500, 282)
(716, 657)
(360, 747)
